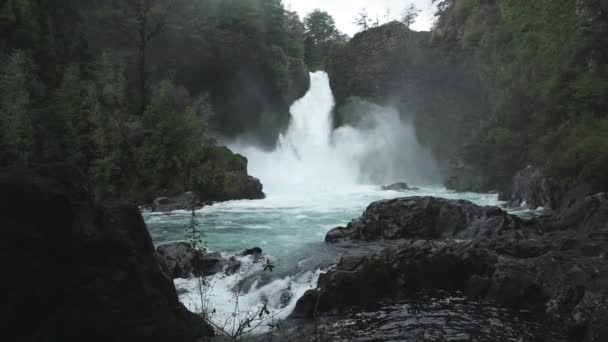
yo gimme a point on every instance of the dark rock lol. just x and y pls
(398, 187)
(554, 266)
(530, 189)
(255, 251)
(464, 177)
(425, 218)
(233, 265)
(182, 261)
(587, 215)
(78, 269)
(242, 186)
(186, 201)
(409, 70)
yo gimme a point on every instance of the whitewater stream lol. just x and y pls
(316, 179)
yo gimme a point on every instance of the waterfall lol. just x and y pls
(376, 147)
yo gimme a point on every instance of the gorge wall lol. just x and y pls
(500, 85)
(432, 84)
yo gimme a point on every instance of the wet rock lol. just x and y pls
(181, 260)
(553, 266)
(530, 189)
(233, 265)
(79, 268)
(425, 218)
(398, 187)
(255, 252)
(186, 201)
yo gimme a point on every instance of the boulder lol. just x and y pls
(239, 185)
(398, 187)
(425, 218)
(79, 269)
(186, 201)
(182, 260)
(530, 189)
(255, 252)
(554, 266)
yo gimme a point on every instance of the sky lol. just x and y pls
(345, 11)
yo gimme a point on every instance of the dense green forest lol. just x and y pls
(135, 92)
(544, 66)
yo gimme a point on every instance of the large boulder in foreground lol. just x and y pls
(555, 267)
(425, 218)
(78, 270)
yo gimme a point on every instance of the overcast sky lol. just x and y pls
(344, 11)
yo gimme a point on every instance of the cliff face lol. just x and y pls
(79, 270)
(433, 84)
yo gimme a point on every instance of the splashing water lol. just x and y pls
(378, 148)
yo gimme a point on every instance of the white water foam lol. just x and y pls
(378, 148)
(231, 306)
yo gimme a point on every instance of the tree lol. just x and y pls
(320, 36)
(409, 15)
(362, 20)
(296, 31)
(140, 22)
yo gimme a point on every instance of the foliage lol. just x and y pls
(363, 20)
(73, 75)
(545, 67)
(409, 15)
(321, 38)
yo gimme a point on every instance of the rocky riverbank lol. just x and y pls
(553, 266)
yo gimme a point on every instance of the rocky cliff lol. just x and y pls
(433, 84)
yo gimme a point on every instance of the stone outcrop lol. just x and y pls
(181, 260)
(225, 179)
(553, 266)
(425, 80)
(530, 189)
(76, 269)
(425, 218)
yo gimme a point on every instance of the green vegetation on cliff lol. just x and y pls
(134, 91)
(544, 65)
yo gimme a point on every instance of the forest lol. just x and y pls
(135, 92)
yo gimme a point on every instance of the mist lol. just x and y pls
(376, 146)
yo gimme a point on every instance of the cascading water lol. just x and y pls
(378, 147)
(316, 179)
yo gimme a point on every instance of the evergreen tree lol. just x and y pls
(321, 37)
